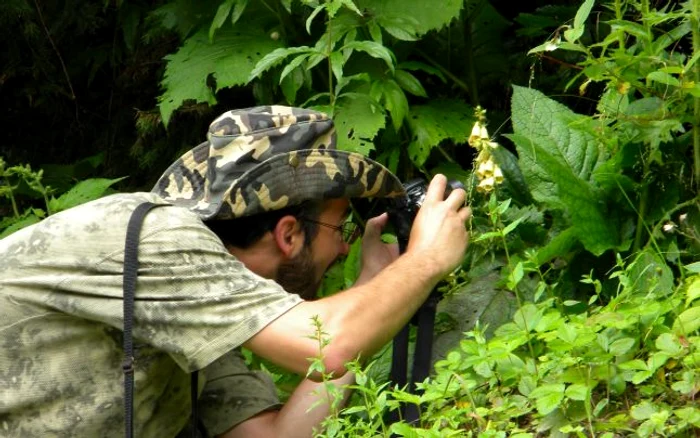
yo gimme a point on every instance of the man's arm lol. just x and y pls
(362, 319)
(297, 418)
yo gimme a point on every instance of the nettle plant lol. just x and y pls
(26, 199)
(612, 196)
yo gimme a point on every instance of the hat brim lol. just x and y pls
(309, 174)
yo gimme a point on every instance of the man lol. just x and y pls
(258, 207)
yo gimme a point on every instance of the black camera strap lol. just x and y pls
(131, 267)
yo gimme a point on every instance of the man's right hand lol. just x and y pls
(439, 233)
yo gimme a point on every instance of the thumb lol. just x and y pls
(375, 225)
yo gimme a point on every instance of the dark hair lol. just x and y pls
(245, 231)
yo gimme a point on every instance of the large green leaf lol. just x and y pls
(554, 183)
(554, 126)
(229, 59)
(81, 193)
(358, 119)
(424, 16)
(438, 120)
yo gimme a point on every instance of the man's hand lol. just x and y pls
(438, 231)
(376, 255)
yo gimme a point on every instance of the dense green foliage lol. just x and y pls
(580, 293)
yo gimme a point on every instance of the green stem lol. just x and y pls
(641, 213)
(10, 195)
(695, 24)
(330, 64)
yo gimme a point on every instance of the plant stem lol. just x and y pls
(330, 63)
(638, 235)
(694, 24)
(12, 199)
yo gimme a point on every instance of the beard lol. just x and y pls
(298, 275)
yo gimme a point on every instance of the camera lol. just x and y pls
(402, 211)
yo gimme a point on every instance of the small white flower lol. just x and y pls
(669, 227)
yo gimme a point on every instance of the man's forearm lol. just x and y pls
(310, 404)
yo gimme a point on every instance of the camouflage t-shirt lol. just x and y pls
(61, 318)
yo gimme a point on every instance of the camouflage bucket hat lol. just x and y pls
(266, 158)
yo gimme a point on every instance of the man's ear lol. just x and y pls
(289, 236)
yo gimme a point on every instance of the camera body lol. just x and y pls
(402, 211)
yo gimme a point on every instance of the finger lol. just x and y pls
(436, 189)
(376, 224)
(456, 198)
(465, 213)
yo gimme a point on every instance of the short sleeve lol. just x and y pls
(233, 394)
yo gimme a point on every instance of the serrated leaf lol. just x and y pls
(82, 192)
(337, 62)
(291, 66)
(357, 119)
(426, 15)
(220, 18)
(548, 397)
(513, 180)
(238, 10)
(557, 158)
(693, 291)
(688, 321)
(230, 59)
(276, 56)
(541, 118)
(409, 83)
(436, 121)
(311, 18)
(527, 317)
(396, 102)
(374, 50)
(554, 183)
(669, 344)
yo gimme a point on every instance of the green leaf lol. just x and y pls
(557, 157)
(513, 179)
(688, 321)
(396, 102)
(582, 14)
(559, 246)
(220, 18)
(311, 18)
(409, 83)
(238, 9)
(663, 78)
(693, 267)
(275, 57)
(82, 192)
(230, 59)
(527, 317)
(291, 83)
(578, 391)
(374, 50)
(427, 16)
(548, 397)
(693, 291)
(30, 219)
(554, 183)
(296, 62)
(436, 121)
(689, 414)
(358, 119)
(337, 62)
(668, 343)
(567, 133)
(622, 346)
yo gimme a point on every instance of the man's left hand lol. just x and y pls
(376, 255)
